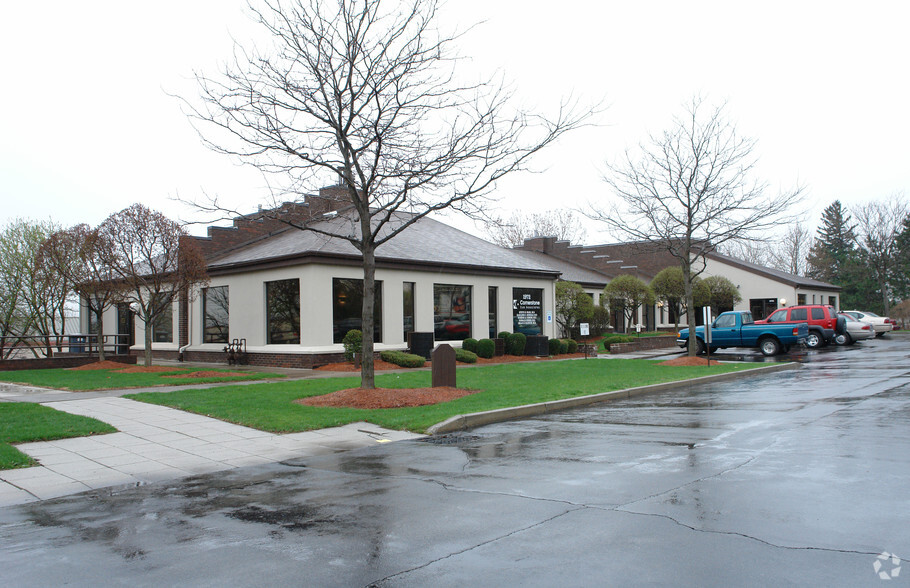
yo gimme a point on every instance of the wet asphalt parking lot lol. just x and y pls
(794, 478)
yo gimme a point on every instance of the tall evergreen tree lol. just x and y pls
(902, 287)
(835, 258)
(834, 246)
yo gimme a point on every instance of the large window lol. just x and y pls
(347, 308)
(215, 315)
(163, 323)
(494, 314)
(527, 311)
(283, 311)
(452, 312)
(407, 297)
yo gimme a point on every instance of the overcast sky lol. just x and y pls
(88, 127)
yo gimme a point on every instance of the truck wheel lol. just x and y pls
(769, 346)
(699, 347)
(814, 340)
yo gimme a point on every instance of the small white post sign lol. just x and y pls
(585, 331)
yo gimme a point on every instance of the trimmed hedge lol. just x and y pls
(573, 345)
(610, 339)
(469, 344)
(408, 360)
(517, 343)
(507, 338)
(554, 345)
(353, 343)
(465, 356)
(563, 346)
(486, 348)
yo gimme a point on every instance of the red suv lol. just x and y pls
(824, 324)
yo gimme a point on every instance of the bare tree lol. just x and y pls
(559, 223)
(32, 299)
(82, 257)
(365, 93)
(689, 190)
(879, 224)
(792, 252)
(787, 252)
(153, 262)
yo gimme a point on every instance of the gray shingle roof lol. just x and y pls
(426, 241)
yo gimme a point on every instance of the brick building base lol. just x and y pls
(60, 362)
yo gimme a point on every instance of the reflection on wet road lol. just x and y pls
(798, 477)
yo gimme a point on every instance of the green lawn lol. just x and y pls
(22, 422)
(270, 406)
(81, 380)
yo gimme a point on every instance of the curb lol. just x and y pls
(462, 422)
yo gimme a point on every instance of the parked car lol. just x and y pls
(856, 331)
(737, 329)
(824, 324)
(881, 324)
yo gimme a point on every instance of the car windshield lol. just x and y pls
(870, 314)
(849, 318)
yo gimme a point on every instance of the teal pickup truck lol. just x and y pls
(737, 329)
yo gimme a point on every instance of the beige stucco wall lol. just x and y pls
(248, 305)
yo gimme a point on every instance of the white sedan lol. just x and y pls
(856, 331)
(881, 324)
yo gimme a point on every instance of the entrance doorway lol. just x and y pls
(126, 329)
(761, 308)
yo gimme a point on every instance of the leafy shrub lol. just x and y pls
(486, 348)
(554, 346)
(517, 343)
(507, 340)
(465, 356)
(408, 360)
(469, 344)
(563, 346)
(353, 343)
(572, 345)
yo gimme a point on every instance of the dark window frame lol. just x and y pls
(291, 295)
(221, 331)
(453, 311)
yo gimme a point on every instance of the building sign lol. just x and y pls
(527, 310)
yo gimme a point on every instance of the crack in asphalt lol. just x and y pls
(378, 583)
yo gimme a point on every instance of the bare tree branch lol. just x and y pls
(365, 93)
(690, 190)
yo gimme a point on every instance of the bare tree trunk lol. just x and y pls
(147, 353)
(690, 309)
(101, 336)
(367, 369)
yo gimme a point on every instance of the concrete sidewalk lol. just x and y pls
(156, 443)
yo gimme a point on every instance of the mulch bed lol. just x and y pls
(386, 397)
(101, 365)
(686, 361)
(123, 368)
(379, 365)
